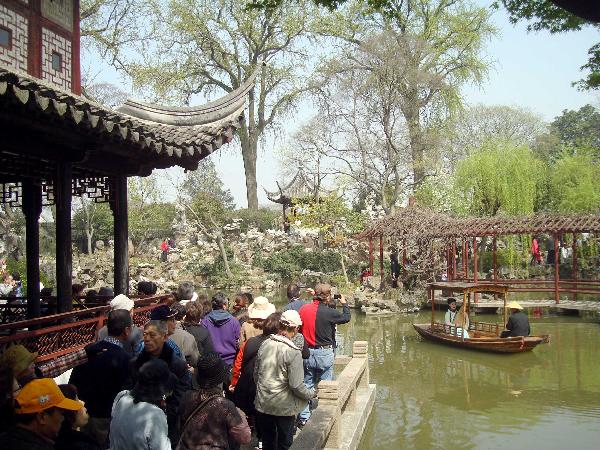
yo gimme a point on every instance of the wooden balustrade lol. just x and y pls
(68, 332)
(341, 416)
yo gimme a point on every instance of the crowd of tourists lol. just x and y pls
(199, 374)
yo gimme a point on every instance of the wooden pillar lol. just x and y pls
(118, 205)
(575, 267)
(371, 255)
(403, 253)
(32, 208)
(448, 264)
(466, 259)
(432, 294)
(556, 271)
(64, 257)
(381, 273)
(453, 258)
(475, 268)
(495, 260)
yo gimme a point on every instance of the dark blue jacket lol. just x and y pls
(100, 379)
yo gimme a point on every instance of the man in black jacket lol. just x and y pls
(518, 322)
(155, 338)
(104, 375)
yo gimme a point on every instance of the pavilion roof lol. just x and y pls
(132, 140)
(299, 187)
(417, 222)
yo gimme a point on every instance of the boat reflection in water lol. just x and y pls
(432, 396)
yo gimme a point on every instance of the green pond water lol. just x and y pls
(432, 396)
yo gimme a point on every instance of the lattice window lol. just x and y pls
(5, 38)
(57, 61)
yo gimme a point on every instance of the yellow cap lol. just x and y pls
(41, 394)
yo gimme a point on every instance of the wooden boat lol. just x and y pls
(482, 335)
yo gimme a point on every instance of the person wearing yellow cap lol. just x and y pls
(518, 322)
(39, 408)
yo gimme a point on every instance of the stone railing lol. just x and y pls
(344, 406)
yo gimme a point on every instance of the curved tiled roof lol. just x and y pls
(155, 138)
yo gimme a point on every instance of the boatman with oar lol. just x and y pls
(518, 322)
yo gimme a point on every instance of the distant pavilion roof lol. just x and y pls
(416, 222)
(299, 187)
(43, 123)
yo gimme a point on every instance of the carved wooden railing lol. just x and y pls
(337, 398)
(486, 327)
(57, 335)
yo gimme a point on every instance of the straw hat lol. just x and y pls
(514, 305)
(261, 308)
(18, 358)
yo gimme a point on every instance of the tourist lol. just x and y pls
(138, 416)
(536, 256)
(21, 362)
(394, 267)
(77, 294)
(207, 419)
(185, 292)
(205, 304)
(518, 322)
(39, 414)
(164, 314)
(9, 388)
(294, 300)
(450, 316)
(156, 347)
(104, 375)
(240, 307)
(224, 329)
(134, 339)
(280, 391)
(18, 289)
(70, 436)
(6, 287)
(318, 329)
(191, 324)
(243, 386)
(105, 293)
(258, 311)
(184, 340)
(146, 288)
(164, 249)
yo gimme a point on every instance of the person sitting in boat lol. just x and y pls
(461, 322)
(452, 311)
(518, 322)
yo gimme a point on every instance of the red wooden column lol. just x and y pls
(371, 255)
(453, 258)
(575, 268)
(495, 260)
(465, 259)
(448, 264)
(475, 268)
(381, 274)
(556, 272)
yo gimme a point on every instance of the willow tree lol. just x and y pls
(499, 178)
(574, 182)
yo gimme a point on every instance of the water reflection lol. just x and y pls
(433, 396)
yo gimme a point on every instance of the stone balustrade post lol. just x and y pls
(360, 349)
(329, 394)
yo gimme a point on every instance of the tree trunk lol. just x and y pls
(89, 233)
(415, 133)
(224, 255)
(249, 143)
(344, 268)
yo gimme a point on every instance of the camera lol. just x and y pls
(337, 296)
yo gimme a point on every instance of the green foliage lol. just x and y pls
(20, 267)
(498, 178)
(263, 218)
(154, 222)
(289, 263)
(578, 128)
(574, 183)
(102, 220)
(206, 180)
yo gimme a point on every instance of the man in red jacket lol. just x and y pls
(318, 328)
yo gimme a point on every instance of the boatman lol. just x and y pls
(451, 313)
(318, 328)
(518, 322)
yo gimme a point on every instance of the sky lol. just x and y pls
(530, 70)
